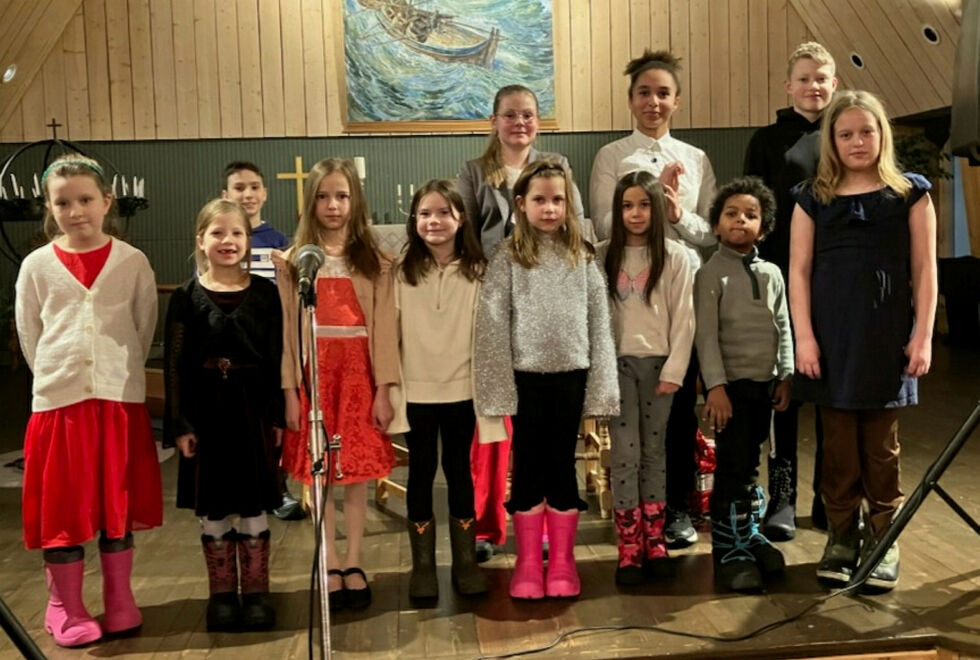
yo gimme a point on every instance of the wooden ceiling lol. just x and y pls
(28, 33)
(165, 69)
(911, 73)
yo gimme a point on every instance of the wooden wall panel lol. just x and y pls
(270, 47)
(53, 76)
(164, 77)
(250, 68)
(759, 72)
(206, 60)
(333, 55)
(720, 63)
(581, 45)
(120, 69)
(313, 68)
(680, 40)
(620, 12)
(166, 69)
(294, 90)
(76, 80)
(229, 73)
(97, 70)
(563, 62)
(185, 69)
(601, 61)
(141, 56)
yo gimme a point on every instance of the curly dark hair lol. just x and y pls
(747, 185)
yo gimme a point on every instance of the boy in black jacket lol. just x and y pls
(783, 154)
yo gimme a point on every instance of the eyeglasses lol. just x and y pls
(511, 116)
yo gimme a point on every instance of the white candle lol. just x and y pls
(135, 188)
(115, 187)
(125, 188)
(398, 189)
(3, 192)
(13, 179)
(37, 186)
(361, 167)
(411, 189)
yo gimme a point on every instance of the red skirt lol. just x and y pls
(346, 398)
(88, 467)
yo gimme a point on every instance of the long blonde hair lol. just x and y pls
(206, 215)
(493, 167)
(361, 250)
(70, 165)
(525, 241)
(830, 171)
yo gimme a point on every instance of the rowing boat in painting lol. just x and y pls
(433, 33)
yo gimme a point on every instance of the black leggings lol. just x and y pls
(456, 422)
(549, 412)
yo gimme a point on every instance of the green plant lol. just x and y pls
(916, 153)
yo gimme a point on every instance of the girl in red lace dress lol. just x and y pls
(86, 308)
(357, 357)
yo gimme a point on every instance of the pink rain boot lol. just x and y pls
(121, 612)
(655, 560)
(528, 579)
(66, 617)
(630, 533)
(562, 580)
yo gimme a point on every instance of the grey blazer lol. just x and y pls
(489, 207)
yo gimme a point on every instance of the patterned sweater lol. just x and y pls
(547, 319)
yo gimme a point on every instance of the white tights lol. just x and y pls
(251, 526)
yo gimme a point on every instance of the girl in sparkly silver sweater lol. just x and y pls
(544, 355)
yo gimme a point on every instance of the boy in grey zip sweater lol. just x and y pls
(744, 341)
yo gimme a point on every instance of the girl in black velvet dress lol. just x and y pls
(224, 412)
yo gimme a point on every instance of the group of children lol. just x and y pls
(441, 342)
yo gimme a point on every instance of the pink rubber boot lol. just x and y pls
(562, 580)
(66, 617)
(121, 612)
(528, 579)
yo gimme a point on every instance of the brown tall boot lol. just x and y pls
(253, 557)
(468, 579)
(224, 611)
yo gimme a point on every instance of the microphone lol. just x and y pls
(309, 258)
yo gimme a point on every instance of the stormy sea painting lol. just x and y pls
(423, 60)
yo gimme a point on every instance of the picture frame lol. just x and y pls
(413, 66)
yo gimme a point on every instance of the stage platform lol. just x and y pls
(936, 605)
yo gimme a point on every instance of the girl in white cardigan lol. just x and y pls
(86, 309)
(437, 286)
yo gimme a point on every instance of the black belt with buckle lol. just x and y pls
(224, 365)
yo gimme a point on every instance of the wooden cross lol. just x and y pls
(54, 126)
(299, 175)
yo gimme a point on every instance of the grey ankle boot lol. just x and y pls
(468, 579)
(422, 537)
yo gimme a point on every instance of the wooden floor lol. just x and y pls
(939, 596)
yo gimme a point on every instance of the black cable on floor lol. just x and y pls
(681, 633)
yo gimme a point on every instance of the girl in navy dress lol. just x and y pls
(863, 297)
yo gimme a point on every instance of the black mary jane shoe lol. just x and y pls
(357, 598)
(337, 599)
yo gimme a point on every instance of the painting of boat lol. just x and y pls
(434, 33)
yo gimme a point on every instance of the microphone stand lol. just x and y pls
(320, 461)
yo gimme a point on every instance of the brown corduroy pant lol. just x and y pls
(860, 461)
